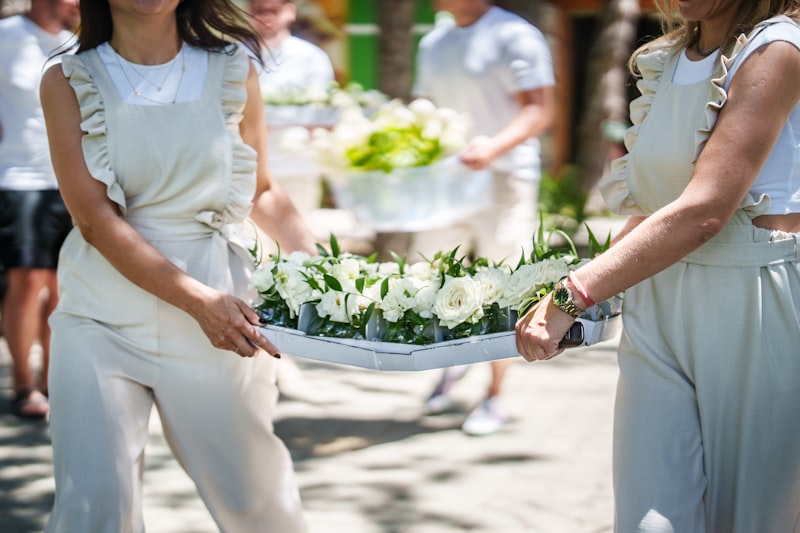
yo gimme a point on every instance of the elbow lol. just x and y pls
(709, 228)
(88, 231)
(705, 223)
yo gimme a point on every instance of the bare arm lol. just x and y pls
(762, 95)
(273, 210)
(629, 226)
(535, 116)
(226, 320)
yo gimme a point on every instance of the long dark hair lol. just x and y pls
(209, 24)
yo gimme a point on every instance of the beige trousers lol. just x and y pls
(216, 411)
(707, 430)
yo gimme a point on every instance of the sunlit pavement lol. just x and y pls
(369, 460)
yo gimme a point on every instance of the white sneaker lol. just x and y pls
(438, 403)
(439, 400)
(487, 418)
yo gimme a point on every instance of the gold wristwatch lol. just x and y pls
(562, 298)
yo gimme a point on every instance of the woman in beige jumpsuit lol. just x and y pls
(707, 425)
(154, 276)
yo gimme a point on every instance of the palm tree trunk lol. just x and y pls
(395, 63)
(13, 7)
(606, 96)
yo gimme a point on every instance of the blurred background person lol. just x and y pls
(294, 70)
(33, 218)
(290, 63)
(497, 68)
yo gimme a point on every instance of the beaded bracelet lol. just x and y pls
(581, 291)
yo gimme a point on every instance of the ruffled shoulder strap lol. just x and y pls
(614, 185)
(244, 162)
(727, 67)
(77, 70)
(236, 66)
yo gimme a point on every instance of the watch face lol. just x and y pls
(561, 295)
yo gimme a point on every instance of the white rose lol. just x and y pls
(552, 270)
(432, 129)
(316, 94)
(425, 297)
(346, 272)
(297, 258)
(520, 286)
(422, 270)
(422, 107)
(459, 301)
(399, 298)
(388, 269)
(262, 278)
(493, 282)
(293, 287)
(337, 306)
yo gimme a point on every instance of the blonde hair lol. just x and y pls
(679, 34)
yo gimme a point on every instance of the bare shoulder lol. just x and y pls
(771, 71)
(775, 55)
(53, 81)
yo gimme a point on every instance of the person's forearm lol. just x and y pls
(276, 215)
(531, 121)
(630, 225)
(649, 246)
(143, 264)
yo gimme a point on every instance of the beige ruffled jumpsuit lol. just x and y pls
(707, 426)
(184, 178)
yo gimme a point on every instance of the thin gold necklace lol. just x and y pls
(135, 88)
(703, 53)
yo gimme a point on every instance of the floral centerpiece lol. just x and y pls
(436, 300)
(317, 106)
(352, 94)
(396, 169)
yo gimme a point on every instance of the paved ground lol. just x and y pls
(368, 460)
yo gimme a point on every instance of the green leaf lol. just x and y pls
(595, 248)
(321, 250)
(334, 246)
(360, 285)
(332, 282)
(384, 288)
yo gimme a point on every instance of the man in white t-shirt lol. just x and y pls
(33, 218)
(496, 67)
(290, 62)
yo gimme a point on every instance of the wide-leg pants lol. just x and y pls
(707, 423)
(216, 410)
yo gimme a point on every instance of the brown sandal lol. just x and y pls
(30, 403)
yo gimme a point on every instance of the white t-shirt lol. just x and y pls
(478, 69)
(779, 177)
(295, 64)
(24, 153)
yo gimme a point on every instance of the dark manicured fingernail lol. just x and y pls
(276, 355)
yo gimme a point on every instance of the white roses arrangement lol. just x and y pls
(437, 299)
(394, 136)
(352, 94)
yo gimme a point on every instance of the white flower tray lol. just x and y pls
(391, 356)
(413, 199)
(309, 115)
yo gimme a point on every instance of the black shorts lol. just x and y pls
(33, 225)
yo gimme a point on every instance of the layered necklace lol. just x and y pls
(127, 67)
